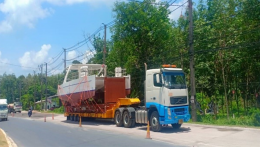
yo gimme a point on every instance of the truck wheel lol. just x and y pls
(118, 119)
(71, 117)
(133, 123)
(127, 120)
(155, 123)
(76, 118)
(176, 126)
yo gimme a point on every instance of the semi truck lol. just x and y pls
(3, 109)
(92, 94)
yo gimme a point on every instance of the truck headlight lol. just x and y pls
(169, 112)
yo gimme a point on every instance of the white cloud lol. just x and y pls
(21, 12)
(27, 12)
(72, 55)
(33, 59)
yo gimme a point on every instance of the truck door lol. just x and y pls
(154, 92)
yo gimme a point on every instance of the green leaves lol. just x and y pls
(141, 34)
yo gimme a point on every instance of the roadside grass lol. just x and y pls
(3, 141)
(221, 120)
(56, 110)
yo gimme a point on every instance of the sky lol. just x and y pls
(35, 32)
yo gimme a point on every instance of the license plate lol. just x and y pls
(180, 121)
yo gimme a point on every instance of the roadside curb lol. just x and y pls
(218, 126)
(9, 140)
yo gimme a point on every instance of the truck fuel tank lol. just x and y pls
(141, 116)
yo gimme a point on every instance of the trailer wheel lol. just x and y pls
(118, 119)
(155, 123)
(72, 117)
(176, 126)
(127, 120)
(76, 118)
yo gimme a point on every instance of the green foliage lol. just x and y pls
(203, 100)
(141, 34)
(28, 87)
(59, 110)
(252, 119)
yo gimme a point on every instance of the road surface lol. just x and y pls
(190, 135)
(27, 132)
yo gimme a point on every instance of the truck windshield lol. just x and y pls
(174, 80)
(17, 104)
(3, 107)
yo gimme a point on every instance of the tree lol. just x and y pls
(141, 34)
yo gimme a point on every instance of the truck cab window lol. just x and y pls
(157, 80)
(174, 81)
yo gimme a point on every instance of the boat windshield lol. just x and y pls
(174, 80)
(3, 107)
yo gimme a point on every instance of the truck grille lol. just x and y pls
(178, 100)
(180, 111)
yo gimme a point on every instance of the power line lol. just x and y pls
(74, 47)
(58, 56)
(179, 6)
(17, 65)
(75, 58)
(237, 46)
(57, 66)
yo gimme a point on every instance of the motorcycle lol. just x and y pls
(29, 112)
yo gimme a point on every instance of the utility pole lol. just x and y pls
(20, 90)
(41, 85)
(34, 91)
(104, 51)
(192, 66)
(64, 59)
(46, 89)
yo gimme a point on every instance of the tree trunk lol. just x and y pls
(237, 97)
(225, 90)
(246, 104)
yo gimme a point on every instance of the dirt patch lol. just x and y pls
(3, 141)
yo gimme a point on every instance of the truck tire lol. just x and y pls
(176, 126)
(71, 117)
(127, 120)
(76, 118)
(155, 123)
(133, 123)
(118, 119)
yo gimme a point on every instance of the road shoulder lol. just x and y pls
(7, 141)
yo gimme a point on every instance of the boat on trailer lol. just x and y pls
(83, 87)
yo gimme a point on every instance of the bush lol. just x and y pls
(58, 110)
(252, 120)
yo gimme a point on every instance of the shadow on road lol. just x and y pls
(35, 115)
(143, 127)
(171, 130)
(86, 121)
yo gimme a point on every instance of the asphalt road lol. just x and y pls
(34, 131)
(28, 132)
